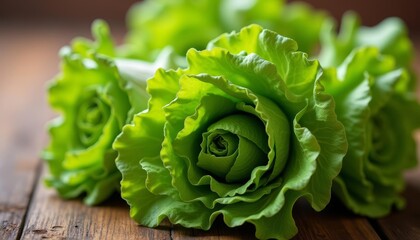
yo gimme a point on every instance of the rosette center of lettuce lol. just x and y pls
(92, 116)
(232, 147)
(222, 144)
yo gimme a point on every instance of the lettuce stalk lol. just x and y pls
(243, 132)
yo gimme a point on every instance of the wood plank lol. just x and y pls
(21, 80)
(51, 217)
(405, 224)
(28, 58)
(334, 222)
(219, 231)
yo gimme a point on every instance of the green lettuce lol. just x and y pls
(185, 24)
(96, 95)
(379, 120)
(243, 132)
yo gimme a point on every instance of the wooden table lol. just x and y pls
(28, 58)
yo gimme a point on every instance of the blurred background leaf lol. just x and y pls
(372, 11)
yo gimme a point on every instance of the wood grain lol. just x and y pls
(404, 224)
(219, 231)
(51, 217)
(28, 58)
(22, 116)
(334, 222)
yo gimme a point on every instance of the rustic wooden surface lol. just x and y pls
(28, 58)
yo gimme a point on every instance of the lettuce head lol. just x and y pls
(380, 119)
(372, 81)
(243, 132)
(96, 94)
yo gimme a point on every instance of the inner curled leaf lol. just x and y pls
(92, 115)
(221, 144)
(233, 146)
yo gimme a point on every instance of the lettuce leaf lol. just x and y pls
(96, 94)
(243, 132)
